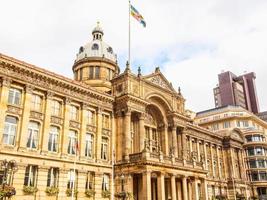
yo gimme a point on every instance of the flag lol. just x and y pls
(137, 16)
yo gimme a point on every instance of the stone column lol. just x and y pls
(198, 150)
(146, 189)
(205, 155)
(185, 192)
(190, 144)
(83, 131)
(65, 132)
(99, 133)
(25, 117)
(190, 192)
(150, 139)
(218, 161)
(204, 189)
(127, 134)
(129, 187)
(161, 186)
(165, 145)
(3, 106)
(46, 125)
(179, 191)
(195, 189)
(141, 132)
(173, 186)
(179, 145)
(174, 141)
(98, 185)
(212, 161)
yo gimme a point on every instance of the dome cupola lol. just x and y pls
(96, 62)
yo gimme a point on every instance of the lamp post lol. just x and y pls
(8, 167)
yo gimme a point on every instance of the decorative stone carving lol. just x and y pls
(74, 124)
(56, 120)
(159, 81)
(6, 82)
(14, 110)
(29, 89)
(36, 115)
(91, 128)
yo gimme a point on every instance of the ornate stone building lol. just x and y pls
(107, 132)
(237, 121)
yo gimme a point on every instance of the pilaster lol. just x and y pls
(65, 132)
(99, 133)
(146, 189)
(127, 134)
(161, 186)
(141, 132)
(173, 186)
(174, 141)
(184, 186)
(25, 117)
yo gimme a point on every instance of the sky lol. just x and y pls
(191, 41)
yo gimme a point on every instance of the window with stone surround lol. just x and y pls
(74, 113)
(52, 177)
(105, 121)
(14, 96)
(90, 116)
(72, 179)
(36, 103)
(56, 108)
(90, 181)
(89, 145)
(72, 145)
(105, 182)
(53, 139)
(33, 134)
(104, 148)
(30, 178)
(10, 130)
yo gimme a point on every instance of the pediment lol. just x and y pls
(159, 80)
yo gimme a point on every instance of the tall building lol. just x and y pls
(237, 90)
(235, 121)
(108, 134)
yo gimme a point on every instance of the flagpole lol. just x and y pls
(129, 50)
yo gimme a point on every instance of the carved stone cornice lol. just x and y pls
(29, 89)
(6, 82)
(49, 94)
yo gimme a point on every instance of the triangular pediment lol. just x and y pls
(159, 79)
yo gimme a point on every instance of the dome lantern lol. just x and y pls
(97, 32)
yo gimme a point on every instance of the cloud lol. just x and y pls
(192, 41)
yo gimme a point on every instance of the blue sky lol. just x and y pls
(191, 41)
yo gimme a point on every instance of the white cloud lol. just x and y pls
(191, 40)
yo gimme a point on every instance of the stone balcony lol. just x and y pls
(161, 159)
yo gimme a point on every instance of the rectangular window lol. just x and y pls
(36, 102)
(261, 163)
(14, 96)
(90, 181)
(91, 72)
(104, 148)
(72, 142)
(72, 179)
(105, 121)
(105, 182)
(252, 164)
(259, 151)
(263, 176)
(238, 123)
(251, 151)
(226, 124)
(81, 74)
(89, 141)
(33, 134)
(97, 72)
(73, 113)
(90, 117)
(245, 123)
(30, 175)
(147, 133)
(52, 177)
(53, 139)
(10, 130)
(254, 176)
(56, 108)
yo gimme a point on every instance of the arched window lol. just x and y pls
(95, 46)
(33, 134)
(110, 50)
(81, 49)
(10, 130)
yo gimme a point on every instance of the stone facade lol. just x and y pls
(131, 135)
